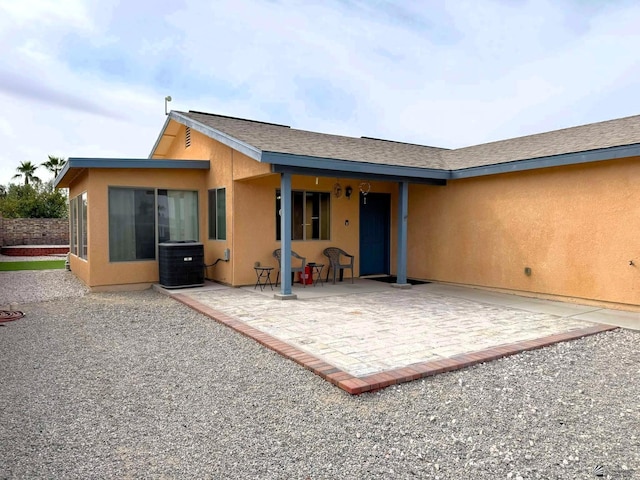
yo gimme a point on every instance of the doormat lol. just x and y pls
(394, 279)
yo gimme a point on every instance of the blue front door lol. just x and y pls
(375, 224)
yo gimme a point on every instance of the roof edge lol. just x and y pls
(238, 145)
(323, 163)
(164, 128)
(563, 159)
(142, 163)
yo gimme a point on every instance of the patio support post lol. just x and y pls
(285, 238)
(403, 208)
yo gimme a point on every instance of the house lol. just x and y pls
(553, 215)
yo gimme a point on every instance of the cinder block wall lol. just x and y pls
(34, 231)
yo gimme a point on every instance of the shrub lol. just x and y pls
(33, 201)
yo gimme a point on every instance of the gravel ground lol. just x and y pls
(27, 286)
(136, 385)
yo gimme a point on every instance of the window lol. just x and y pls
(137, 216)
(78, 224)
(132, 233)
(217, 214)
(310, 215)
(82, 225)
(177, 215)
(73, 234)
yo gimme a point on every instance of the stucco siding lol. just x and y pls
(102, 271)
(199, 148)
(245, 167)
(255, 225)
(79, 266)
(575, 227)
(219, 176)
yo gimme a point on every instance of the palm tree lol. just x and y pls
(27, 170)
(54, 165)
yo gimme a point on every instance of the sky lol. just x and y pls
(88, 78)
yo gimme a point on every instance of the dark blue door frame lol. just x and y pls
(375, 226)
(375, 229)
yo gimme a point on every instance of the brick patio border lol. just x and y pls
(369, 383)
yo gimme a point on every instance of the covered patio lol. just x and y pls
(365, 336)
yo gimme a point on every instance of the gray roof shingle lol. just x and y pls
(282, 139)
(611, 133)
(270, 137)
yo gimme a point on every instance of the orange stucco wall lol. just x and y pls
(255, 225)
(102, 272)
(79, 266)
(250, 190)
(219, 176)
(575, 227)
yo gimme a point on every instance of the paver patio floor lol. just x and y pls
(378, 335)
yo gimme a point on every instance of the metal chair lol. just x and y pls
(335, 254)
(277, 253)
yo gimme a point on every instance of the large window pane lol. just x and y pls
(177, 216)
(297, 216)
(325, 217)
(131, 224)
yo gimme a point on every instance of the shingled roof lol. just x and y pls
(594, 136)
(269, 137)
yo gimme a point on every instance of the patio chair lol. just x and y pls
(335, 254)
(277, 253)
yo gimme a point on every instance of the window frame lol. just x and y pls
(299, 200)
(73, 226)
(156, 220)
(83, 234)
(214, 215)
(78, 221)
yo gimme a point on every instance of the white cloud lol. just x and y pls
(89, 78)
(45, 12)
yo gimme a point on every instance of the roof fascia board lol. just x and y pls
(565, 159)
(353, 175)
(238, 145)
(141, 163)
(362, 168)
(164, 128)
(62, 173)
(137, 163)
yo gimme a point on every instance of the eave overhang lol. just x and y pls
(319, 166)
(238, 145)
(75, 166)
(331, 167)
(562, 160)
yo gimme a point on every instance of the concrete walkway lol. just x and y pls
(367, 335)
